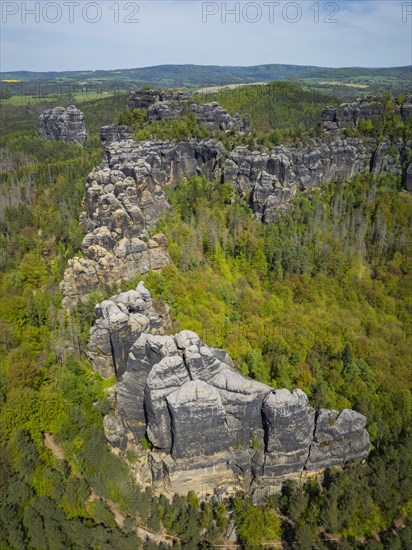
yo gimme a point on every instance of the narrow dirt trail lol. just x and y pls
(142, 532)
(53, 447)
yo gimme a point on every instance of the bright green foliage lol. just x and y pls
(133, 119)
(31, 410)
(319, 299)
(277, 110)
(183, 127)
(168, 130)
(316, 300)
(255, 524)
(145, 443)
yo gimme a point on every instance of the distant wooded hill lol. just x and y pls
(195, 76)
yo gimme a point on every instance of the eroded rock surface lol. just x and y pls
(348, 115)
(125, 197)
(60, 124)
(119, 324)
(338, 435)
(209, 426)
(213, 117)
(109, 134)
(289, 423)
(408, 178)
(269, 180)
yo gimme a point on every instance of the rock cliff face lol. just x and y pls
(348, 115)
(213, 117)
(210, 427)
(145, 98)
(119, 323)
(124, 199)
(60, 124)
(408, 178)
(109, 134)
(269, 180)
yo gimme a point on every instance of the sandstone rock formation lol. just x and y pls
(60, 124)
(269, 180)
(170, 104)
(125, 195)
(119, 323)
(124, 200)
(213, 117)
(406, 109)
(145, 98)
(209, 426)
(408, 178)
(109, 134)
(348, 115)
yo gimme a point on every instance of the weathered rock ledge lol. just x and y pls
(210, 427)
(171, 104)
(348, 115)
(60, 124)
(125, 198)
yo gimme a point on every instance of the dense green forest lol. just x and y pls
(275, 106)
(319, 299)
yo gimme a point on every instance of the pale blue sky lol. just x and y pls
(365, 33)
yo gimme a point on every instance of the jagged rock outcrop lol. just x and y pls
(125, 195)
(406, 109)
(213, 117)
(115, 432)
(209, 426)
(271, 179)
(289, 425)
(119, 323)
(60, 124)
(171, 104)
(145, 98)
(338, 435)
(145, 353)
(165, 378)
(408, 178)
(348, 115)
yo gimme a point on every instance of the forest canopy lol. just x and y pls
(318, 299)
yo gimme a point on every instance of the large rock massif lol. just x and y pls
(60, 124)
(210, 428)
(125, 195)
